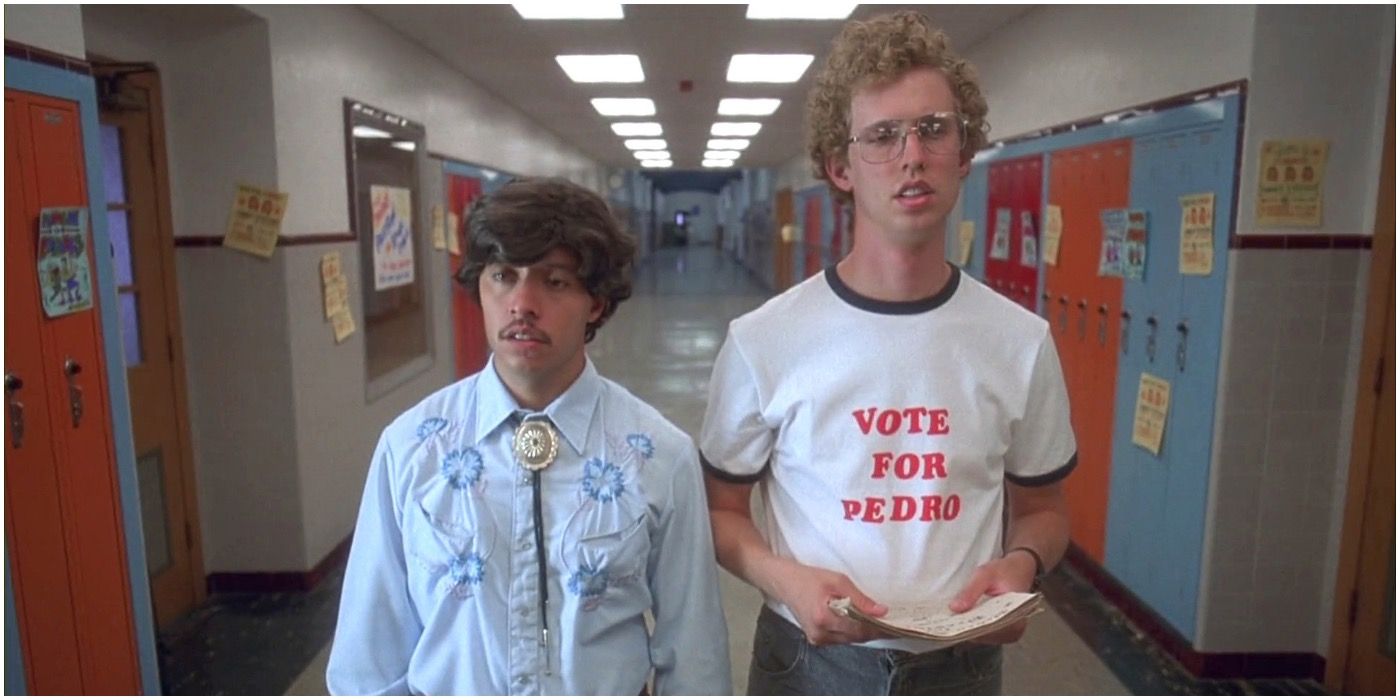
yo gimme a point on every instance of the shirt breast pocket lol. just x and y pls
(611, 564)
(445, 559)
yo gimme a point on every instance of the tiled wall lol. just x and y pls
(1289, 376)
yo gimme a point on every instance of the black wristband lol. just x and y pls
(1039, 563)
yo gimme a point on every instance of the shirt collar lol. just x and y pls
(571, 412)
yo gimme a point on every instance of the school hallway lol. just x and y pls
(660, 345)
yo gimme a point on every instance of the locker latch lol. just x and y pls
(1151, 338)
(1083, 317)
(16, 409)
(71, 369)
(1181, 346)
(1064, 312)
(1127, 323)
(1045, 304)
(1103, 325)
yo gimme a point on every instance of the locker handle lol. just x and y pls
(1151, 339)
(1103, 325)
(16, 409)
(1064, 312)
(1045, 303)
(1083, 316)
(1127, 320)
(1182, 329)
(71, 369)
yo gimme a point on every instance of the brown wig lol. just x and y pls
(523, 221)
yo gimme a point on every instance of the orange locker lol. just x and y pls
(63, 525)
(1084, 314)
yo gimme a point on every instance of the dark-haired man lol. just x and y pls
(517, 525)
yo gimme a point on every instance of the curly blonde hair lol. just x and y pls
(878, 51)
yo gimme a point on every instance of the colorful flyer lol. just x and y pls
(439, 228)
(967, 231)
(454, 235)
(1150, 418)
(1001, 236)
(1115, 231)
(1198, 234)
(65, 281)
(256, 220)
(391, 209)
(1290, 182)
(1054, 226)
(1135, 245)
(1030, 255)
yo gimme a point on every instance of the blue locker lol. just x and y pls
(974, 209)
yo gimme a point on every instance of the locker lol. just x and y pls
(1013, 197)
(64, 529)
(469, 344)
(812, 244)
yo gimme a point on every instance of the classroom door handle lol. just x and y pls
(16, 409)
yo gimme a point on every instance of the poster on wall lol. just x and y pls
(1115, 230)
(1054, 227)
(391, 209)
(256, 220)
(65, 281)
(1198, 233)
(967, 231)
(1290, 182)
(1135, 245)
(1030, 254)
(439, 228)
(1150, 418)
(1001, 236)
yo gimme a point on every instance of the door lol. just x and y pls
(63, 523)
(138, 222)
(468, 333)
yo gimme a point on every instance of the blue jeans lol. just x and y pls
(785, 663)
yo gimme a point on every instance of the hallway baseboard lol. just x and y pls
(1203, 665)
(278, 581)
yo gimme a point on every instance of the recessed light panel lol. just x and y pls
(624, 106)
(735, 128)
(760, 107)
(717, 163)
(656, 164)
(652, 155)
(800, 10)
(721, 155)
(569, 10)
(636, 129)
(768, 67)
(727, 144)
(608, 68)
(645, 144)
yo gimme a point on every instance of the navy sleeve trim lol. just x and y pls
(1047, 478)
(727, 477)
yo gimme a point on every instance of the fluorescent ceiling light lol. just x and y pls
(569, 10)
(721, 155)
(369, 132)
(624, 106)
(652, 155)
(768, 67)
(728, 144)
(645, 144)
(735, 128)
(608, 68)
(656, 164)
(708, 163)
(799, 10)
(405, 145)
(760, 107)
(636, 129)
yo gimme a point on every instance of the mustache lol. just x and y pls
(525, 327)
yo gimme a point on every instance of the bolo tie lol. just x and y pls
(536, 445)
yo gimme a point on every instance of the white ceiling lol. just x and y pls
(514, 59)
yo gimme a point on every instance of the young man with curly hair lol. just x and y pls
(518, 525)
(908, 427)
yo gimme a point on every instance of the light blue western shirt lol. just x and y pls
(442, 589)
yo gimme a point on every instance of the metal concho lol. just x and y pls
(536, 444)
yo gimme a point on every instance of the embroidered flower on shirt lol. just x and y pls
(602, 481)
(641, 442)
(430, 426)
(588, 583)
(463, 572)
(462, 468)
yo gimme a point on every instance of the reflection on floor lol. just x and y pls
(660, 345)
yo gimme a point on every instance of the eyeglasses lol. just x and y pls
(940, 133)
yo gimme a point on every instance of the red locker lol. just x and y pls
(63, 511)
(468, 336)
(1013, 199)
(812, 235)
(1083, 309)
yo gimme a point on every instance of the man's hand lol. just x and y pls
(807, 592)
(1012, 573)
